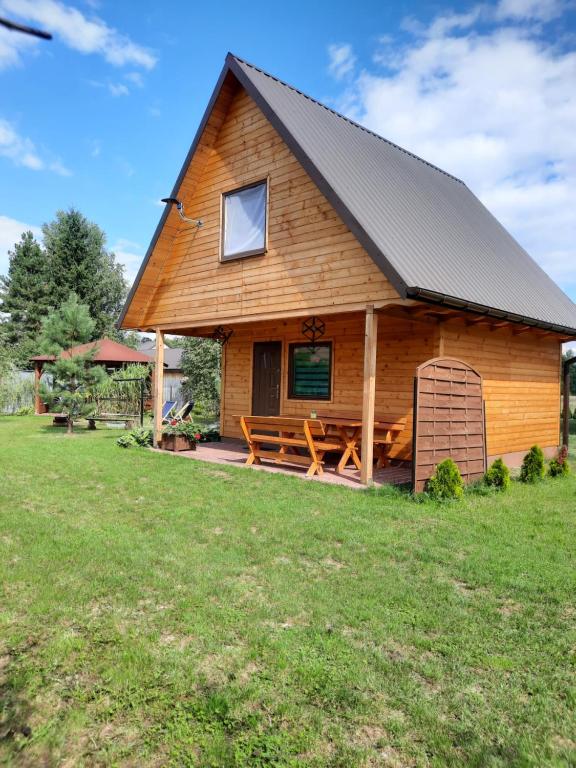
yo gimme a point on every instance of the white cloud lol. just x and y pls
(541, 10)
(342, 60)
(135, 78)
(118, 89)
(130, 255)
(18, 148)
(22, 151)
(494, 105)
(12, 45)
(10, 231)
(86, 35)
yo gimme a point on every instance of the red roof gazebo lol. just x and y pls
(109, 353)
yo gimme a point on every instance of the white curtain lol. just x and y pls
(245, 220)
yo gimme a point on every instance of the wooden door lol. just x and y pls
(266, 372)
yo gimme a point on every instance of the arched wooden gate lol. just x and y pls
(449, 420)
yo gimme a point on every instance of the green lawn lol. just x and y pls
(157, 611)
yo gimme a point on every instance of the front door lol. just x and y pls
(267, 363)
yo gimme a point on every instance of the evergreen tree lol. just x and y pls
(25, 298)
(80, 263)
(73, 375)
(202, 367)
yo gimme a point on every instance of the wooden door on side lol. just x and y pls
(266, 372)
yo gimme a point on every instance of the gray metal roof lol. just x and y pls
(427, 231)
(172, 355)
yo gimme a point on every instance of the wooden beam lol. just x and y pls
(158, 387)
(478, 320)
(38, 405)
(566, 405)
(369, 394)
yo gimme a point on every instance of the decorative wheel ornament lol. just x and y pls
(221, 334)
(313, 328)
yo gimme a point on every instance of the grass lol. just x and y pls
(162, 612)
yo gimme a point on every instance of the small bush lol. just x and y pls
(141, 437)
(446, 482)
(533, 469)
(498, 475)
(559, 466)
(26, 410)
(125, 441)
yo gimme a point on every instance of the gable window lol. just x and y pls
(244, 221)
(310, 371)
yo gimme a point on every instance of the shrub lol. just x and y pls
(533, 465)
(125, 441)
(498, 475)
(141, 437)
(446, 482)
(559, 466)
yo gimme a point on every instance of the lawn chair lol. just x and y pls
(184, 412)
(168, 407)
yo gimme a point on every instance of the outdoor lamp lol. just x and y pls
(180, 207)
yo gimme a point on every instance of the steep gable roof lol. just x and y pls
(428, 233)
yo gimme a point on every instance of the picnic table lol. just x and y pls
(325, 433)
(349, 430)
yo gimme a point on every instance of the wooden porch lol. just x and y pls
(233, 452)
(374, 355)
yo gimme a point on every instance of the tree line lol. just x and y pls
(72, 259)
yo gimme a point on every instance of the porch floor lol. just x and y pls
(234, 453)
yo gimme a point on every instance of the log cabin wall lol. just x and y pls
(521, 384)
(313, 261)
(521, 375)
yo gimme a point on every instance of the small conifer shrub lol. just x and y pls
(559, 466)
(498, 475)
(533, 465)
(446, 482)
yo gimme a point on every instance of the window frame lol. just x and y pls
(256, 251)
(290, 389)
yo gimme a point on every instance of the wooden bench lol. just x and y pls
(128, 419)
(386, 433)
(291, 436)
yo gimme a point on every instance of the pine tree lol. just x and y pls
(25, 297)
(79, 262)
(73, 375)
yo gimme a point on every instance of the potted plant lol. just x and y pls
(180, 437)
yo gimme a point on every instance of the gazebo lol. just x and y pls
(111, 354)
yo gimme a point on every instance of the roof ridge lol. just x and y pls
(347, 119)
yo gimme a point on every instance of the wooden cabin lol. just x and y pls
(337, 262)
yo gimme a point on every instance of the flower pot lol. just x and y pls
(177, 443)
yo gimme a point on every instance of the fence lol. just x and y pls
(173, 391)
(16, 391)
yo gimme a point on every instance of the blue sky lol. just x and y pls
(102, 117)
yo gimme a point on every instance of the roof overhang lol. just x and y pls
(432, 297)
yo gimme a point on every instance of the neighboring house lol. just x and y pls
(307, 215)
(173, 376)
(111, 354)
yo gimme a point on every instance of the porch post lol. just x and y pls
(158, 387)
(38, 407)
(369, 394)
(566, 401)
